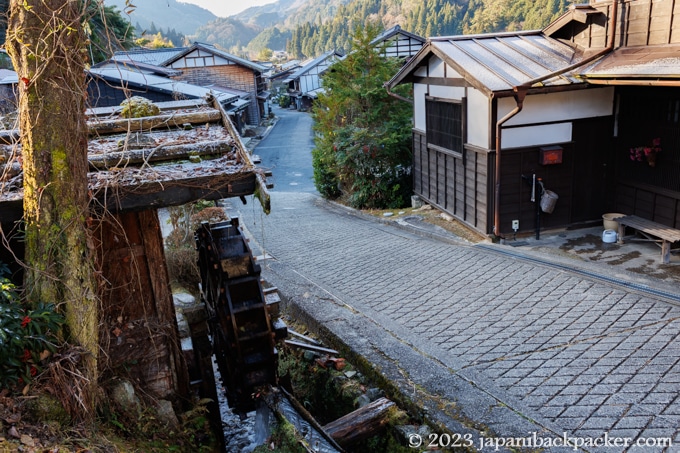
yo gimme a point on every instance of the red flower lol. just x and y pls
(34, 371)
(25, 321)
(27, 356)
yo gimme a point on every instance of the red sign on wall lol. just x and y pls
(551, 155)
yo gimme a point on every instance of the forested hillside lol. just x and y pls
(307, 28)
(425, 18)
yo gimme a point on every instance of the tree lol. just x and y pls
(46, 42)
(363, 145)
(265, 54)
(107, 31)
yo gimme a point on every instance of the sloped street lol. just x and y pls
(497, 345)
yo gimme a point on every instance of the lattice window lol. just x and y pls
(444, 124)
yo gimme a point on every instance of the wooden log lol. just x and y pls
(360, 424)
(159, 153)
(152, 122)
(9, 137)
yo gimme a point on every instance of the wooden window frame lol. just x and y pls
(450, 141)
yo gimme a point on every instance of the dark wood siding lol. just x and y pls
(457, 184)
(642, 22)
(138, 323)
(652, 192)
(228, 76)
(105, 94)
(582, 181)
(462, 185)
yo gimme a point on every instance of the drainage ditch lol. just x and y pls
(323, 404)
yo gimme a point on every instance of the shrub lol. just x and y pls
(27, 336)
(180, 251)
(363, 143)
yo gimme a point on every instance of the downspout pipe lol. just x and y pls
(395, 95)
(520, 92)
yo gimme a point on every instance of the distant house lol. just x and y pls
(398, 43)
(205, 65)
(304, 84)
(110, 83)
(276, 79)
(497, 114)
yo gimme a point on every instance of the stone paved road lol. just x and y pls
(493, 344)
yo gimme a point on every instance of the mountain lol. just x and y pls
(307, 28)
(165, 14)
(227, 33)
(290, 13)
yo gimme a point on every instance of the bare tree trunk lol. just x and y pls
(47, 46)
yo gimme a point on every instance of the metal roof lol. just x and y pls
(139, 67)
(214, 50)
(501, 61)
(8, 77)
(396, 30)
(640, 62)
(313, 63)
(159, 83)
(148, 56)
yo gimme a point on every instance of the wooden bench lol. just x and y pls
(659, 233)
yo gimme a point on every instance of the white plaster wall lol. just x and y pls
(452, 73)
(477, 118)
(309, 82)
(419, 92)
(444, 92)
(569, 105)
(436, 67)
(536, 135)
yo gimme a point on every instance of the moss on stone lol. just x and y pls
(138, 107)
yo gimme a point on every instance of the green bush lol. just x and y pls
(27, 336)
(362, 148)
(283, 100)
(325, 177)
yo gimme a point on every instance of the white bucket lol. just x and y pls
(548, 201)
(609, 236)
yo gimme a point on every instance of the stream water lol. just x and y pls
(243, 436)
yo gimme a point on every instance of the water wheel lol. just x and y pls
(239, 319)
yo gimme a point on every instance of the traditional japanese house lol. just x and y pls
(205, 65)
(113, 81)
(188, 152)
(396, 42)
(570, 108)
(305, 83)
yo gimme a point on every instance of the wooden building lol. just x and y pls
(207, 66)
(189, 152)
(566, 106)
(305, 83)
(398, 43)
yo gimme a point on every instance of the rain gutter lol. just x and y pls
(395, 95)
(651, 83)
(520, 92)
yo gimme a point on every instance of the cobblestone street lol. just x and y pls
(493, 344)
